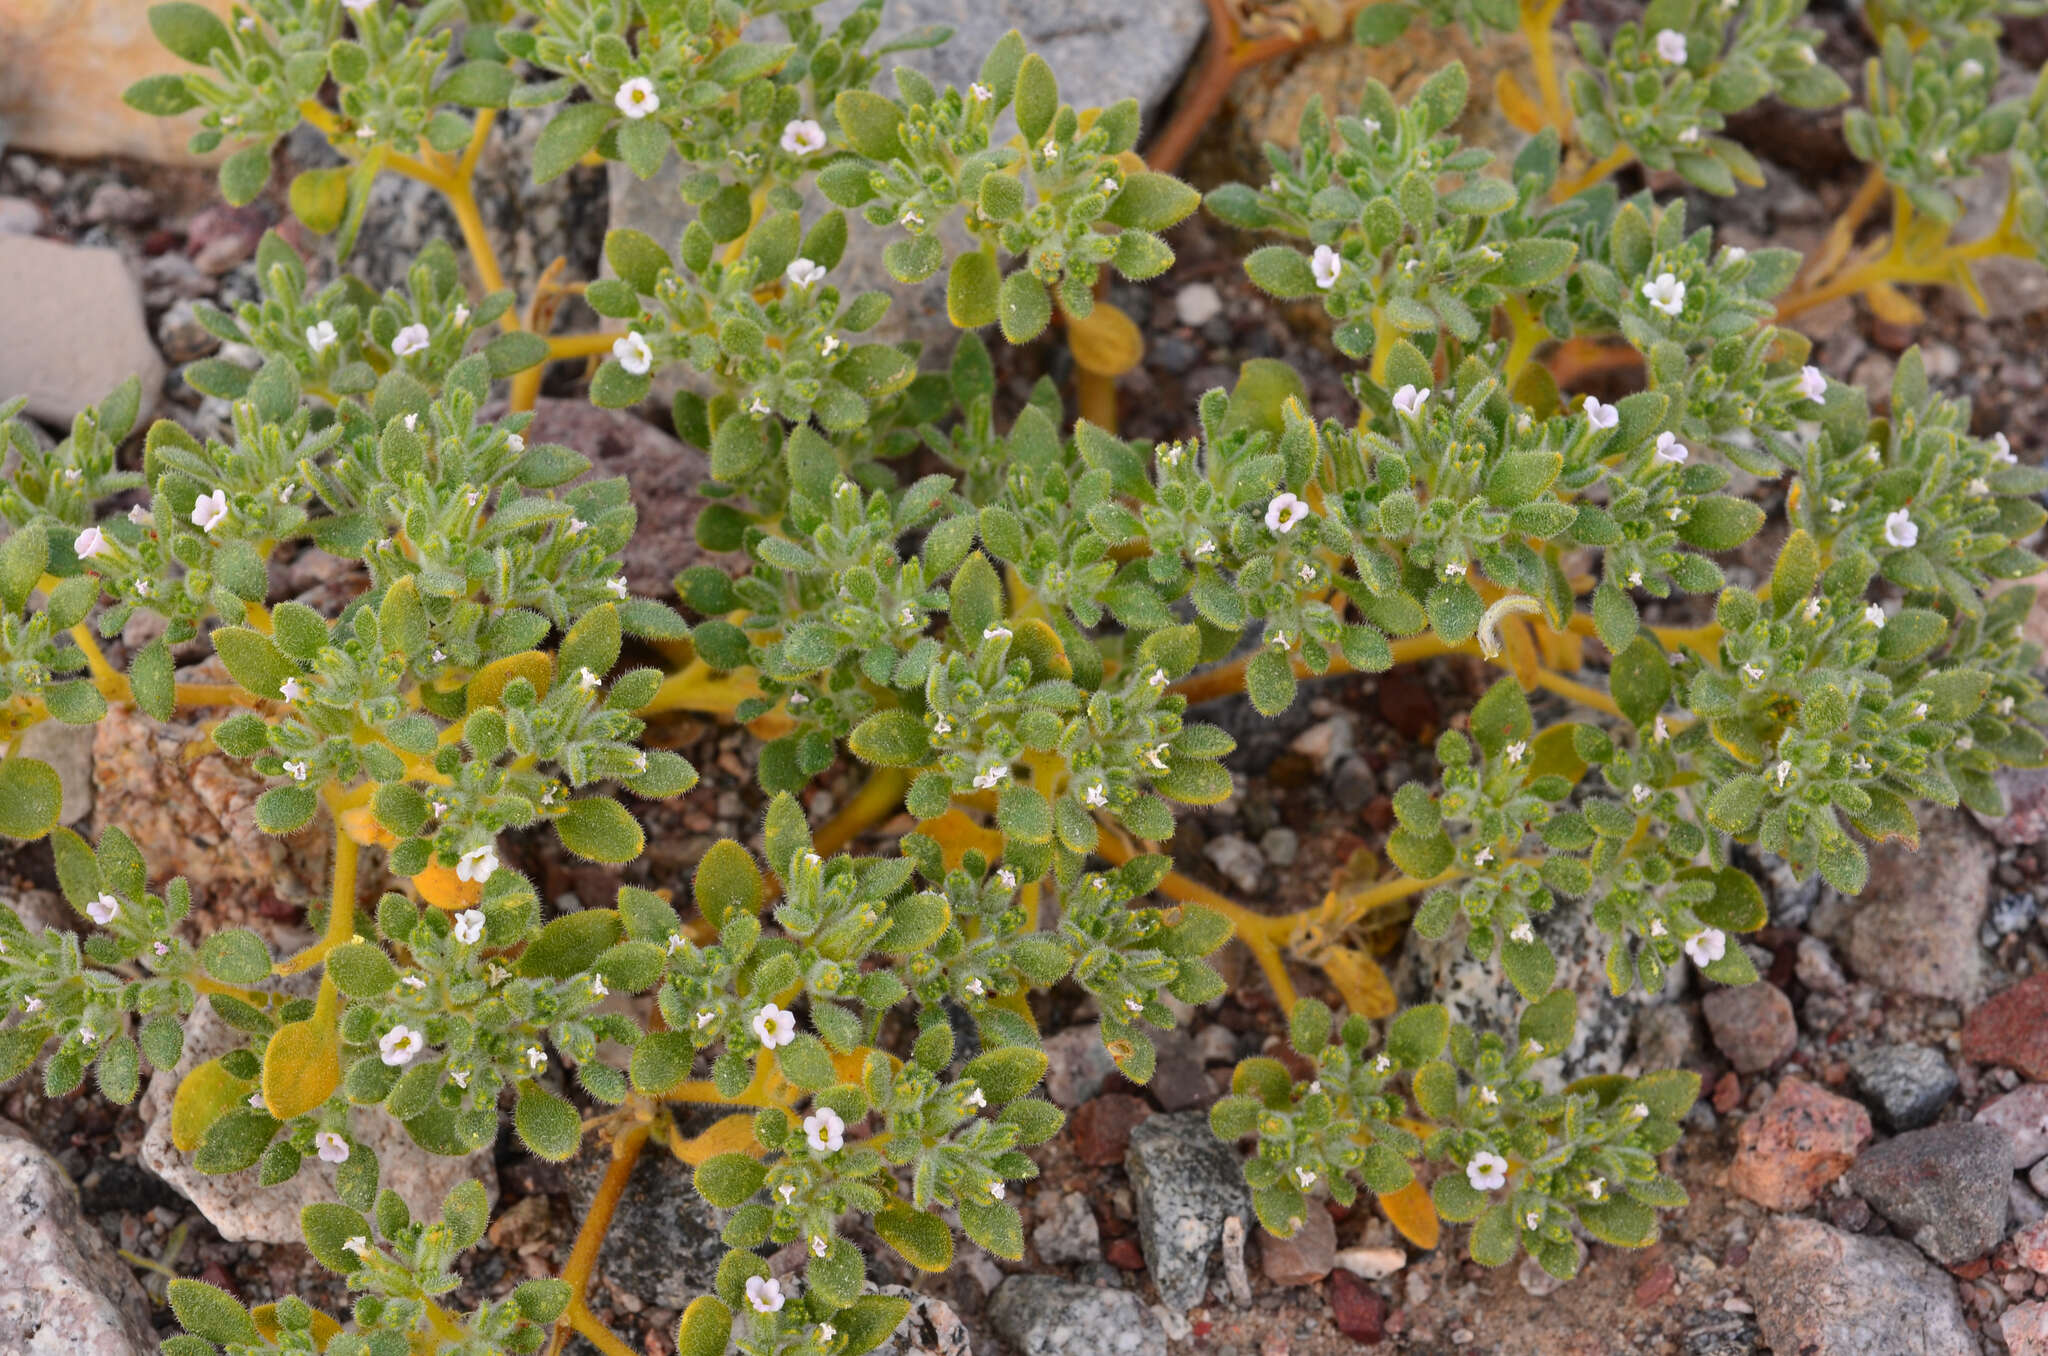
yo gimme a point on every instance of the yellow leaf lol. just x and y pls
(441, 887)
(955, 833)
(1552, 753)
(1892, 306)
(265, 1318)
(361, 825)
(203, 1097)
(302, 1063)
(1518, 646)
(490, 681)
(732, 1134)
(1411, 1211)
(319, 198)
(1359, 978)
(1105, 341)
(1515, 103)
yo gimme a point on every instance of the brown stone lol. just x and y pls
(2012, 1029)
(1359, 1310)
(1800, 1140)
(1102, 1127)
(1752, 1025)
(1914, 930)
(1656, 1283)
(1125, 1254)
(74, 326)
(1305, 1258)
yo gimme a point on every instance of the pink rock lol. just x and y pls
(2023, 1115)
(2025, 1329)
(1752, 1025)
(1799, 1141)
(2012, 1029)
(2030, 1245)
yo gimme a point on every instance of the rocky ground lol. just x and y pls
(1868, 1165)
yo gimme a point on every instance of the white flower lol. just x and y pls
(1666, 293)
(995, 633)
(1979, 487)
(536, 1058)
(1514, 751)
(1455, 570)
(461, 314)
(321, 337)
(1657, 928)
(1285, 513)
(1487, 1171)
(1707, 946)
(1813, 384)
(975, 987)
(1639, 793)
(514, 443)
(477, 864)
(1965, 743)
(1155, 757)
(358, 6)
(1753, 672)
(296, 769)
(977, 1098)
(1812, 611)
(1970, 68)
(412, 423)
(618, 587)
(1601, 416)
(140, 516)
(1280, 641)
(103, 910)
(801, 136)
(1597, 1188)
(633, 353)
(982, 93)
(1671, 46)
(1096, 795)
(1670, 449)
(1919, 710)
(911, 218)
(356, 1243)
(1327, 265)
(331, 1147)
(409, 340)
(1635, 579)
(1488, 1097)
(1835, 505)
(1408, 400)
(1533, 1219)
(1874, 615)
(397, 1046)
(32, 1004)
(774, 1026)
(1203, 548)
(1522, 932)
(576, 525)
(586, 680)
(1133, 1003)
(1306, 1178)
(824, 1131)
(415, 983)
(1690, 136)
(997, 1190)
(987, 780)
(636, 99)
(469, 926)
(1006, 878)
(1900, 530)
(1156, 680)
(1482, 857)
(1781, 772)
(2004, 456)
(1307, 573)
(89, 543)
(819, 1247)
(210, 510)
(1660, 731)
(803, 272)
(1735, 254)
(459, 1077)
(764, 1294)
(1381, 1063)
(828, 345)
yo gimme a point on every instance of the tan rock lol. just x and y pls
(1802, 1139)
(74, 328)
(65, 65)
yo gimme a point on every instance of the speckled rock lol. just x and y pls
(931, 1328)
(2025, 1329)
(1067, 1232)
(63, 1291)
(74, 326)
(1077, 1066)
(1187, 1183)
(1943, 1187)
(1306, 1257)
(1046, 1316)
(1905, 1086)
(1914, 930)
(2012, 1029)
(2023, 1115)
(1800, 1140)
(1821, 1292)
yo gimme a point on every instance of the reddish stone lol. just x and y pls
(2012, 1029)
(1972, 1269)
(1800, 1140)
(2030, 1245)
(1656, 1285)
(1102, 1127)
(1124, 1252)
(1378, 813)
(1405, 704)
(1727, 1093)
(2025, 1329)
(1360, 1312)
(1752, 1025)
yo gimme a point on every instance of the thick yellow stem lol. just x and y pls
(341, 911)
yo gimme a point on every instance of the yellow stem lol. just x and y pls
(341, 912)
(1592, 174)
(877, 799)
(579, 345)
(1536, 21)
(589, 1239)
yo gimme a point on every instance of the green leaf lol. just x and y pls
(1150, 201)
(891, 738)
(547, 1125)
(1037, 98)
(235, 956)
(1721, 522)
(599, 829)
(1281, 271)
(476, 84)
(190, 31)
(705, 1328)
(997, 1227)
(1418, 1034)
(572, 134)
(253, 660)
(1269, 681)
(207, 1310)
(973, 288)
(1639, 680)
(1007, 1073)
(361, 970)
(1024, 307)
(31, 798)
(160, 96)
(923, 1239)
(244, 174)
(871, 123)
(728, 1180)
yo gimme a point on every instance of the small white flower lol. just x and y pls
(995, 633)
(412, 423)
(1381, 1063)
(536, 1058)
(140, 516)
(1671, 46)
(1455, 570)
(1133, 1003)
(774, 1026)
(982, 93)
(1327, 265)
(1155, 757)
(210, 510)
(826, 1332)
(636, 99)
(1707, 946)
(1306, 1178)
(819, 1247)
(1050, 150)
(1280, 641)
(997, 1190)
(1639, 793)
(89, 543)
(477, 864)
(939, 726)
(1488, 1097)
(321, 337)
(1285, 513)
(32, 1004)
(617, 586)
(331, 1147)
(1006, 878)
(706, 1017)
(828, 345)
(1900, 530)
(358, 6)
(397, 1046)
(787, 1192)
(1690, 136)
(1666, 293)
(1657, 928)
(1735, 254)
(1979, 487)
(1874, 615)
(801, 136)
(911, 218)
(1635, 579)
(1487, 1171)
(1203, 549)
(1307, 573)
(1970, 68)
(992, 777)
(764, 1294)
(976, 987)
(1812, 610)
(103, 910)
(633, 353)
(1753, 672)
(1781, 772)
(1965, 743)
(461, 314)
(410, 340)
(469, 926)
(2004, 456)
(2003, 706)
(1482, 857)
(577, 525)
(1532, 1220)
(804, 273)
(977, 1099)
(1156, 680)
(1835, 505)
(514, 443)
(1919, 710)
(1600, 416)
(1813, 384)
(1660, 731)
(356, 1243)
(1096, 795)
(824, 1131)
(1522, 932)
(1597, 1188)
(296, 769)
(1670, 449)
(1409, 399)
(1514, 751)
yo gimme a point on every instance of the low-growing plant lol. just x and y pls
(1012, 644)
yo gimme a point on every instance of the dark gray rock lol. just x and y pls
(663, 1244)
(62, 1287)
(1187, 1183)
(1905, 1086)
(1821, 1292)
(1943, 1187)
(1046, 1316)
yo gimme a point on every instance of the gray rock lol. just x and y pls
(62, 1287)
(2026, 806)
(1665, 1038)
(1067, 1234)
(1821, 1292)
(1281, 846)
(1905, 1086)
(1046, 1316)
(1187, 1183)
(1240, 861)
(1752, 1025)
(931, 1328)
(19, 216)
(1180, 1081)
(1101, 50)
(1817, 968)
(1914, 930)
(74, 328)
(2023, 1115)
(1943, 1187)
(1077, 1065)
(663, 1245)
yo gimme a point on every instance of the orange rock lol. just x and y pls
(1802, 1139)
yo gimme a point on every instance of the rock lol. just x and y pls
(63, 1289)
(663, 1245)
(1068, 1233)
(2026, 804)
(114, 202)
(1664, 1038)
(74, 326)
(1046, 1316)
(1943, 1187)
(1280, 846)
(2025, 1329)
(242, 1211)
(1216, 1045)
(68, 62)
(2011, 914)
(1914, 930)
(1327, 742)
(1305, 1258)
(1752, 1025)
(2012, 1029)
(1240, 861)
(1821, 1292)
(1905, 1086)
(19, 216)
(1180, 1082)
(1359, 1310)
(1799, 1141)
(931, 1328)
(2023, 1115)
(1534, 1280)
(179, 335)
(1372, 1264)
(1816, 967)
(2037, 1177)
(1186, 1183)
(2030, 1246)
(1101, 50)
(2023, 1207)
(1102, 1127)
(1197, 304)
(68, 749)
(1077, 1065)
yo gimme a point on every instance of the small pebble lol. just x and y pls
(1197, 304)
